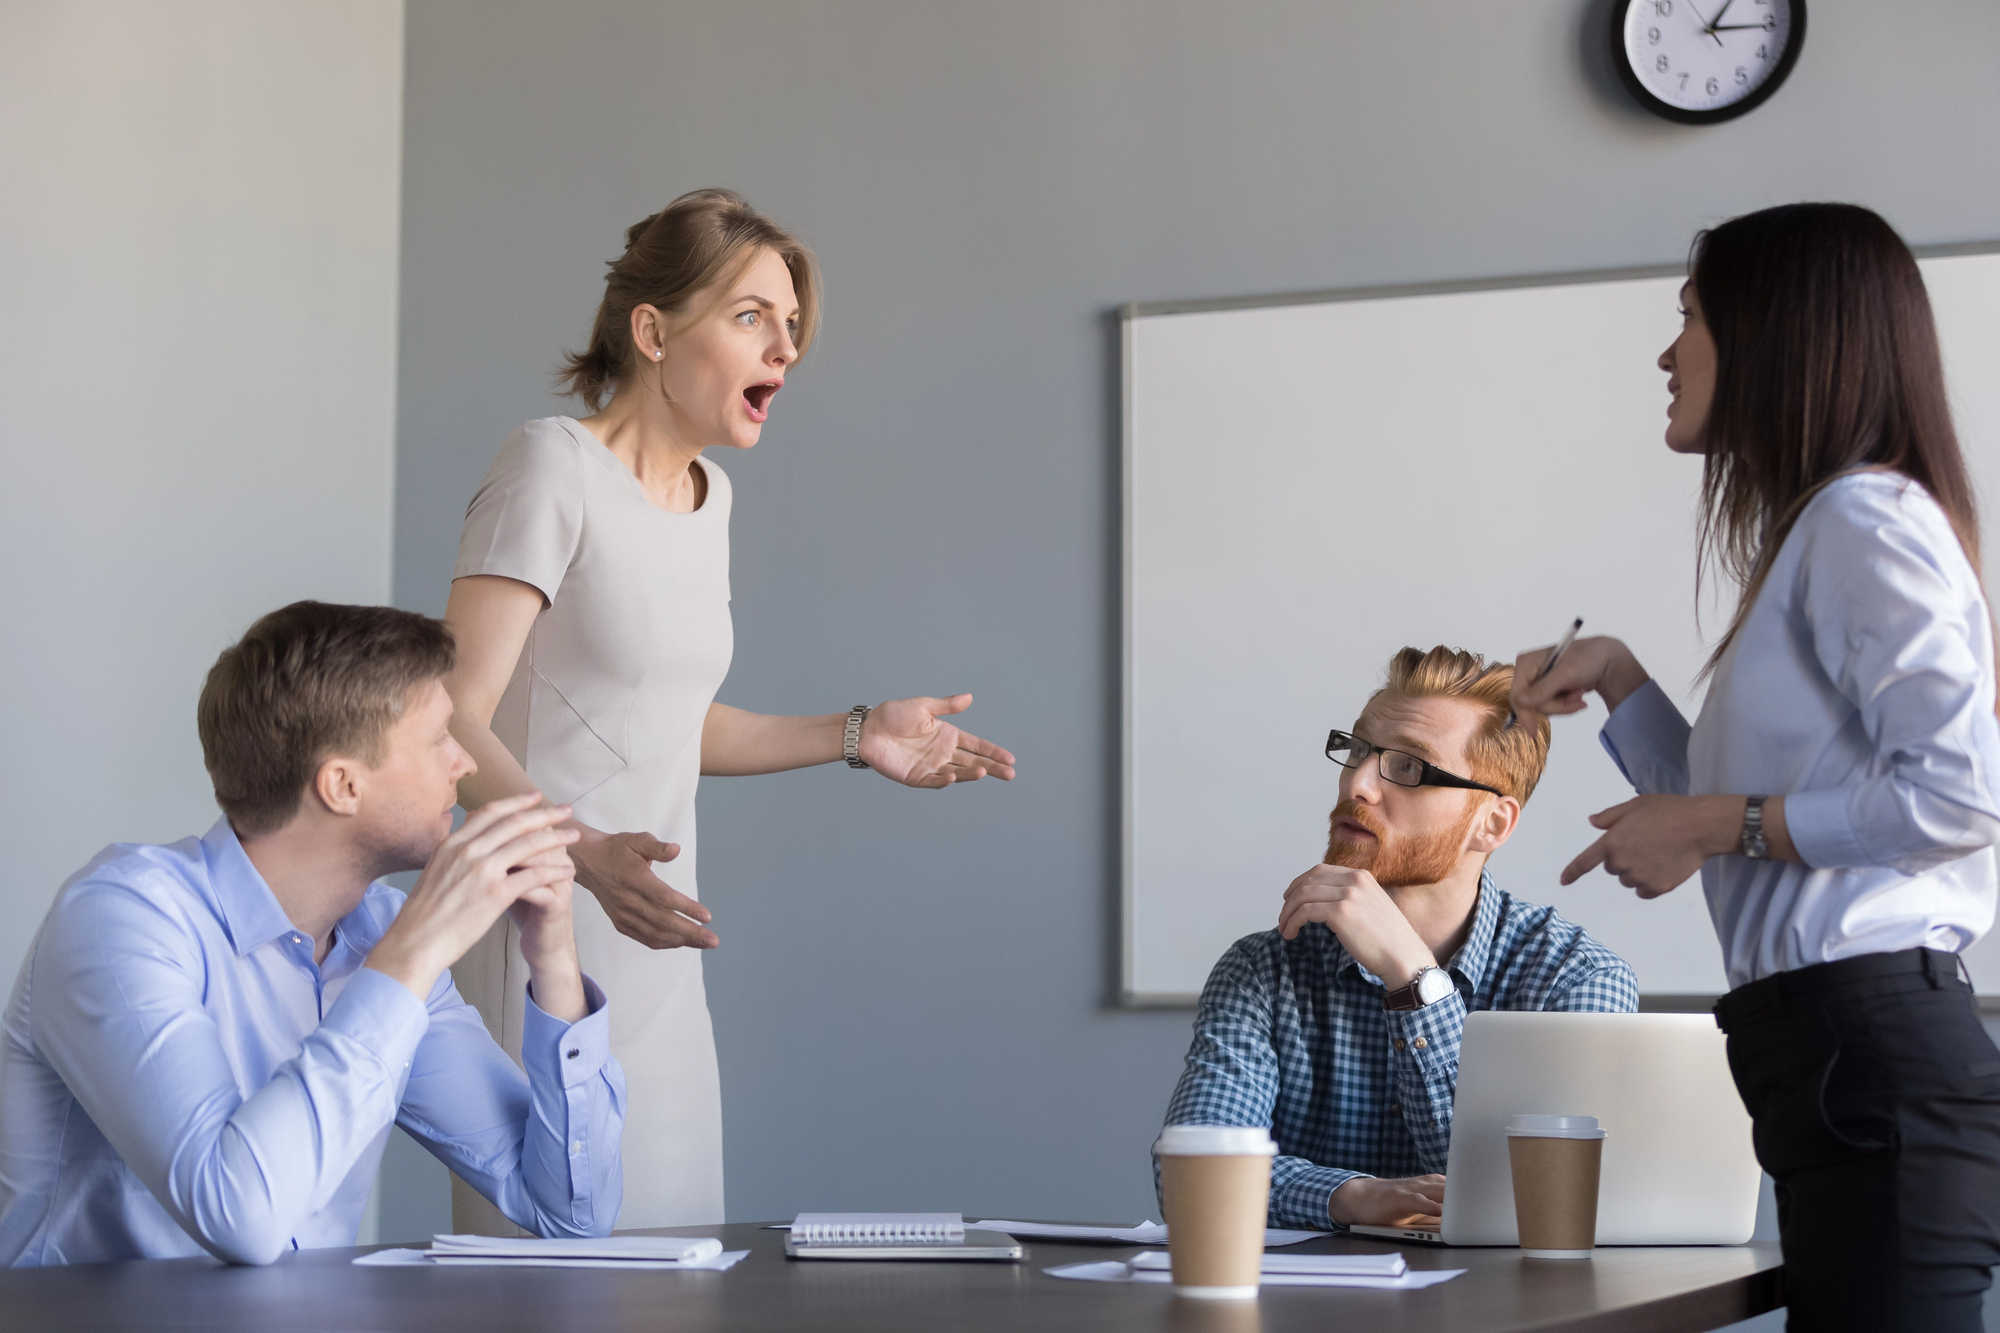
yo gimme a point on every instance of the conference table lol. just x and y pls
(1630, 1290)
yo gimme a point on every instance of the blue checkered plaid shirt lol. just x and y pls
(1292, 1034)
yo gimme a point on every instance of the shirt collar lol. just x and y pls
(1470, 960)
(250, 911)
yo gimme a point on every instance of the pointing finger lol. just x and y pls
(1593, 856)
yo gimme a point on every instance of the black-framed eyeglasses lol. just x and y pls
(1398, 766)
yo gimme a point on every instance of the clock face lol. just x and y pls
(1700, 61)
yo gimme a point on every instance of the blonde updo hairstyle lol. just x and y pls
(703, 239)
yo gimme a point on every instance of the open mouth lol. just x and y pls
(757, 398)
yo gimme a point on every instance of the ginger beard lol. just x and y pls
(1396, 863)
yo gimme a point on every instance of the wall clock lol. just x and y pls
(1702, 61)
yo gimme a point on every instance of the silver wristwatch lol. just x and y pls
(1755, 845)
(1430, 985)
(850, 742)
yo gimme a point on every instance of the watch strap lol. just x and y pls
(850, 740)
(1754, 843)
(1409, 997)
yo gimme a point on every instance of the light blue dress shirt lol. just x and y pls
(177, 1075)
(1860, 688)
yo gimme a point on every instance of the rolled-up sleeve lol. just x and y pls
(542, 1146)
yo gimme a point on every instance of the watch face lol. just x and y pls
(1701, 61)
(1434, 985)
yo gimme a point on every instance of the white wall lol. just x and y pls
(198, 248)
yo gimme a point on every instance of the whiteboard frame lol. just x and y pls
(1128, 998)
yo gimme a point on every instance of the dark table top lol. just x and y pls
(1630, 1290)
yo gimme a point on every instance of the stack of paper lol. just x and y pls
(1142, 1233)
(1386, 1272)
(628, 1252)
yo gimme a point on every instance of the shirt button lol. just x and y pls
(574, 1051)
(1395, 1108)
(577, 1146)
(1399, 1043)
(1421, 1043)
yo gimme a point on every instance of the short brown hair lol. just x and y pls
(1510, 758)
(702, 238)
(309, 681)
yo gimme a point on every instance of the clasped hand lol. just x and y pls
(507, 857)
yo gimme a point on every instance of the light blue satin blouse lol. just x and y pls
(1860, 688)
(177, 1075)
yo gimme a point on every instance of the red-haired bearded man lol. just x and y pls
(1340, 1029)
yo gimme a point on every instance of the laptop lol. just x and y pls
(1678, 1166)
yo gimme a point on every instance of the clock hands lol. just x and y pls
(1708, 28)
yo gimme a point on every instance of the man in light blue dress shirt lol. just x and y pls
(209, 1041)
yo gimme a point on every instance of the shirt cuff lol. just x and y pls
(1305, 1200)
(1821, 831)
(1646, 722)
(382, 1015)
(1428, 1039)
(567, 1054)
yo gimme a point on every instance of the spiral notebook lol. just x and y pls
(896, 1236)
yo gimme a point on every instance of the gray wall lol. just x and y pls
(911, 996)
(198, 225)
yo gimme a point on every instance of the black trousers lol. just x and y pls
(1874, 1095)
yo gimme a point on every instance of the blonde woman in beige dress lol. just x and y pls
(591, 605)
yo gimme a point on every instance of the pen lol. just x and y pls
(1562, 646)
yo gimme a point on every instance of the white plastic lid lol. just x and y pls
(1215, 1141)
(1554, 1127)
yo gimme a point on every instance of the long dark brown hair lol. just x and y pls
(1827, 362)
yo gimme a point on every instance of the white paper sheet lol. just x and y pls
(673, 1249)
(1143, 1233)
(1342, 1265)
(715, 1263)
(1115, 1271)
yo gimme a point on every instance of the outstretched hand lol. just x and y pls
(618, 868)
(905, 740)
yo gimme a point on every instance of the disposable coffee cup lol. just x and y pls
(1215, 1185)
(1556, 1161)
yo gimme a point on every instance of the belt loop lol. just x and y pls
(1930, 968)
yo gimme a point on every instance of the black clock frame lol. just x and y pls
(1794, 42)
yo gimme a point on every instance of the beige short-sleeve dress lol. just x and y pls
(605, 713)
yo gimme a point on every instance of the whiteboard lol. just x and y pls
(1278, 454)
